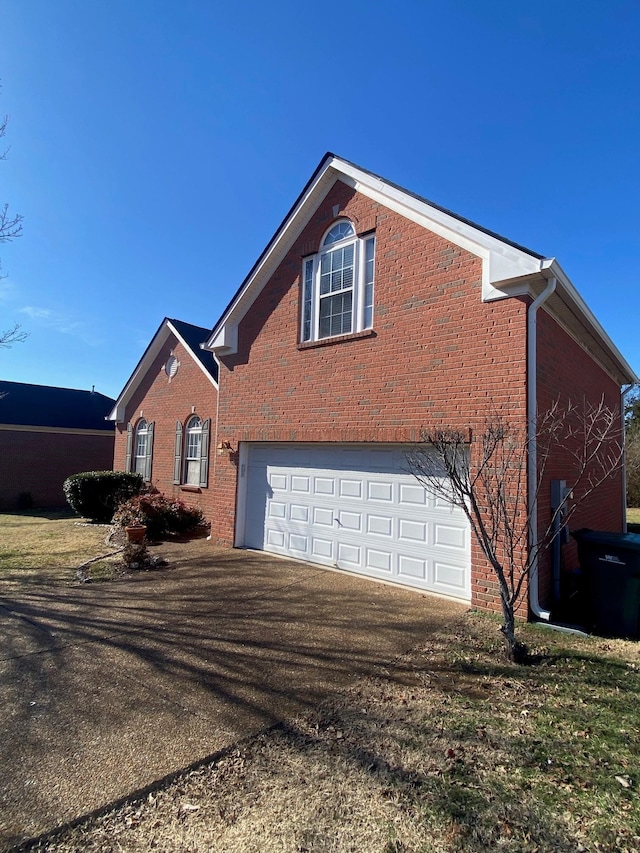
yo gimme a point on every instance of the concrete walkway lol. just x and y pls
(107, 687)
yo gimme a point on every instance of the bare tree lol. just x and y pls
(12, 336)
(10, 223)
(10, 228)
(487, 478)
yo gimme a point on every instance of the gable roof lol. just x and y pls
(508, 269)
(22, 404)
(191, 338)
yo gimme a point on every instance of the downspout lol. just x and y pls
(532, 459)
(624, 458)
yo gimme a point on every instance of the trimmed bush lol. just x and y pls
(159, 514)
(96, 494)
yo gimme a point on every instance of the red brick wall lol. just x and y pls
(438, 356)
(568, 374)
(164, 402)
(40, 462)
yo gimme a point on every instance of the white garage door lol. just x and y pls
(355, 508)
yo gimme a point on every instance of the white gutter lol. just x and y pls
(624, 458)
(532, 406)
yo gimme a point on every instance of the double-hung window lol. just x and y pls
(140, 448)
(192, 451)
(337, 285)
(191, 457)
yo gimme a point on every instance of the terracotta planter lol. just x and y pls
(136, 533)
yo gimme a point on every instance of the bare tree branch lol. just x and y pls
(12, 336)
(488, 481)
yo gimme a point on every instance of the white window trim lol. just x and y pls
(196, 459)
(358, 289)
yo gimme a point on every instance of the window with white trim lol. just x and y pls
(192, 451)
(140, 456)
(337, 285)
(139, 448)
(191, 458)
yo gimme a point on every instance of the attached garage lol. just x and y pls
(352, 507)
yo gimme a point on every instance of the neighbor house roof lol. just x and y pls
(22, 404)
(191, 337)
(508, 269)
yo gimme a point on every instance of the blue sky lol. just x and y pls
(155, 146)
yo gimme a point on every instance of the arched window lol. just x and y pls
(191, 460)
(142, 439)
(140, 448)
(338, 284)
(192, 451)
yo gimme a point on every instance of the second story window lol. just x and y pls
(337, 285)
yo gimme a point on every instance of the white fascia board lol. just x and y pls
(531, 285)
(118, 412)
(224, 337)
(194, 355)
(500, 260)
(577, 303)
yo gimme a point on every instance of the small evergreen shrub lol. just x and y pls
(158, 513)
(24, 501)
(96, 494)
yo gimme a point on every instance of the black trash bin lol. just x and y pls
(610, 563)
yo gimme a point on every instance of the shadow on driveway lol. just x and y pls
(108, 687)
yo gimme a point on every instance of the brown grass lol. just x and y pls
(633, 515)
(48, 547)
(448, 750)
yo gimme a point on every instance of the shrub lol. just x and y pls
(159, 514)
(96, 494)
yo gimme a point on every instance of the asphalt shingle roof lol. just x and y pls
(193, 336)
(46, 406)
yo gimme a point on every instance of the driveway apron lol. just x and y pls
(107, 688)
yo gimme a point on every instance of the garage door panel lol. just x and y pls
(378, 561)
(323, 516)
(412, 568)
(357, 509)
(380, 525)
(351, 489)
(300, 484)
(349, 555)
(449, 576)
(379, 491)
(299, 512)
(350, 520)
(322, 548)
(450, 537)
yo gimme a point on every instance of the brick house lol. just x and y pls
(165, 412)
(47, 434)
(371, 314)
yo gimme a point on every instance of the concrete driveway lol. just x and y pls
(106, 688)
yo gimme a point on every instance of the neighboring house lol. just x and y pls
(373, 313)
(47, 434)
(165, 412)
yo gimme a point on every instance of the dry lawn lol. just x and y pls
(39, 547)
(633, 515)
(448, 750)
